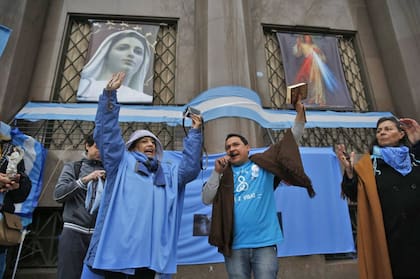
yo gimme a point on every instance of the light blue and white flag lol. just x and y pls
(219, 102)
(34, 159)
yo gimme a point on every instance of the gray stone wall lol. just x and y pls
(222, 43)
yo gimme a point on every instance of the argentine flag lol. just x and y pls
(34, 159)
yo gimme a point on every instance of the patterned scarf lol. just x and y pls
(148, 166)
(396, 157)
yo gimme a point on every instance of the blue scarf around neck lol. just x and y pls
(148, 166)
(397, 157)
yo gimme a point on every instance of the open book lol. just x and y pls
(293, 92)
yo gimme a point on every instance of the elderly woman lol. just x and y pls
(386, 186)
(125, 51)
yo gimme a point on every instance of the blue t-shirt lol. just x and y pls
(255, 223)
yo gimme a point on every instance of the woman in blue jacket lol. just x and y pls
(138, 221)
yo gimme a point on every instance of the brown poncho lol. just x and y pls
(373, 258)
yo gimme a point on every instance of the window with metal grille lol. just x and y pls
(354, 139)
(69, 134)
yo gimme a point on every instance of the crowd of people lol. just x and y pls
(109, 233)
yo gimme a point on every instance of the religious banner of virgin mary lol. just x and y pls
(119, 47)
(315, 60)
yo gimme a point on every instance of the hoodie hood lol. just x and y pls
(145, 133)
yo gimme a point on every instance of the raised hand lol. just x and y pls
(300, 110)
(197, 121)
(411, 128)
(115, 82)
(346, 160)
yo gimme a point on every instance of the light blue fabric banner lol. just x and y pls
(4, 37)
(219, 102)
(311, 226)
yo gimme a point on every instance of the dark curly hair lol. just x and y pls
(89, 140)
(403, 141)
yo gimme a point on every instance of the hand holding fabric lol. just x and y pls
(7, 184)
(95, 175)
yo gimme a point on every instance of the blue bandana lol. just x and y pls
(94, 195)
(397, 157)
(148, 166)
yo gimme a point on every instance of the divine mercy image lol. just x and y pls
(315, 60)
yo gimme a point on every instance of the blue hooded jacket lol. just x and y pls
(138, 222)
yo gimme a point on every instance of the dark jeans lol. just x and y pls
(141, 273)
(72, 247)
(3, 254)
